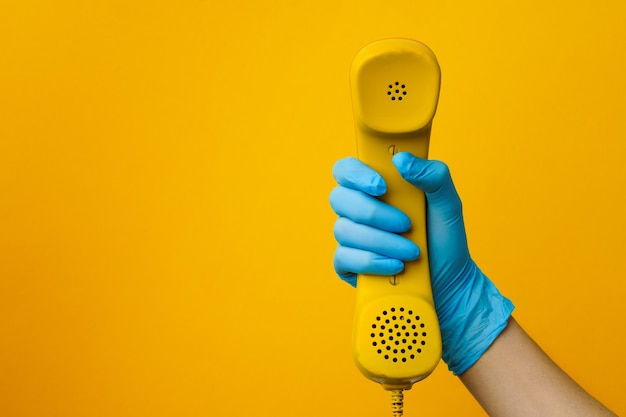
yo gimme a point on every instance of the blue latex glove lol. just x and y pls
(471, 311)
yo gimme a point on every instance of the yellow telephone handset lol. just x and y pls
(395, 89)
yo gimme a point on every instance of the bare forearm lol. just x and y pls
(515, 377)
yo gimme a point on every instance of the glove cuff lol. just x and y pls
(471, 324)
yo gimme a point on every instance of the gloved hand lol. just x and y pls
(471, 311)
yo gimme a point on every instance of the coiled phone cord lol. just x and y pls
(397, 402)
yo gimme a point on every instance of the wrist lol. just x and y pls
(471, 318)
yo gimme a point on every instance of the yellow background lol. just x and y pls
(165, 235)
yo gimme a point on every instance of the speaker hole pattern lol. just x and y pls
(397, 91)
(398, 334)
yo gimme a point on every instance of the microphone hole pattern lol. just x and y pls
(398, 335)
(396, 91)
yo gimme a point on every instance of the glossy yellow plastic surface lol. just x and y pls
(395, 88)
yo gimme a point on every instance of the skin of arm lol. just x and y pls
(514, 377)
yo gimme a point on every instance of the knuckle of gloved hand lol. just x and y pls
(439, 171)
(341, 229)
(335, 196)
(375, 215)
(339, 259)
(370, 262)
(433, 176)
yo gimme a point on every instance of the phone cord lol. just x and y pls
(397, 402)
